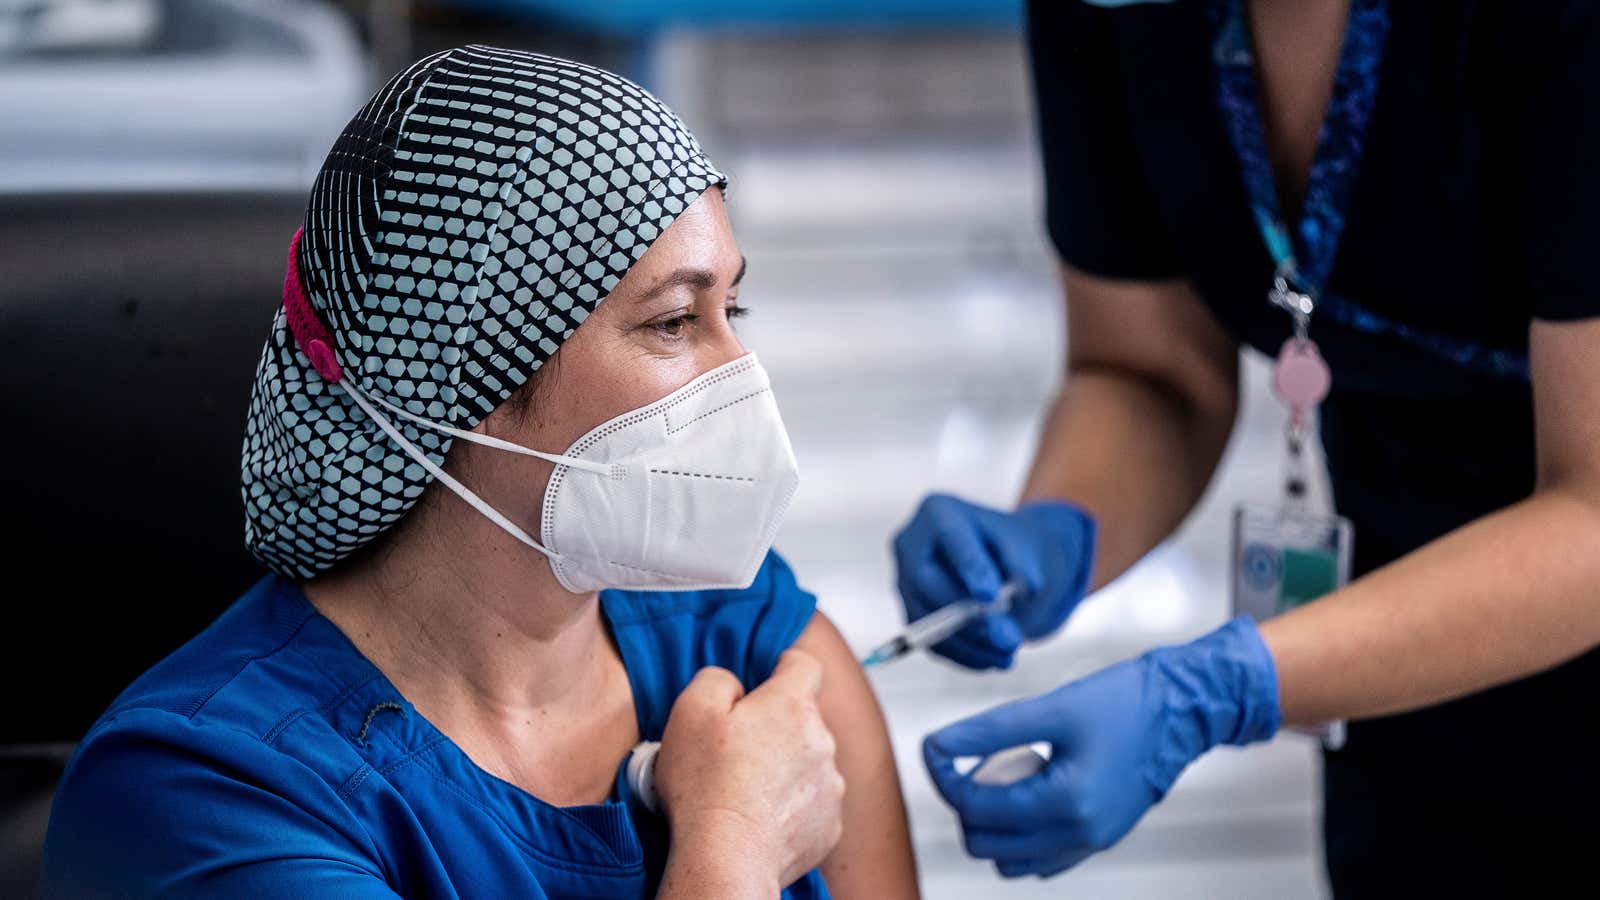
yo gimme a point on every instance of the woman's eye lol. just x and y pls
(674, 326)
(735, 311)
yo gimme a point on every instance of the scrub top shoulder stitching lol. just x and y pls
(322, 710)
(122, 719)
(370, 849)
(205, 695)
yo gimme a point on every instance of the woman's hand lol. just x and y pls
(748, 783)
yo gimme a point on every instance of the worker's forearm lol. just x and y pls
(1509, 595)
(1136, 456)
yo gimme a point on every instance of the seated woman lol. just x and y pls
(503, 252)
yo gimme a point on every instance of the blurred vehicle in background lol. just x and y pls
(172, 95)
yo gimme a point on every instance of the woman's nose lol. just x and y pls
(722, 346)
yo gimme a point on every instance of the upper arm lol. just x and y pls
(1099, 207)
(171, 809)
(1553, 174)
(1558, 185)
(1565, 362)
(1129, 308)
(1159, 332)
(873, 858)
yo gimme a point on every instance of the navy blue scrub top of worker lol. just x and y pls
(1476, 209)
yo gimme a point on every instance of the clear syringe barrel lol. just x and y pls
(938, 625)
(951, 618)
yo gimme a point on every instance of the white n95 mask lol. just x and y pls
(697, 486)
(686, 493)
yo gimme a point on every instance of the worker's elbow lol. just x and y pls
(1204, 399)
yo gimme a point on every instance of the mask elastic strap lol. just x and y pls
(316, 343)
(490, 441)
(444, 477)
(314, 340)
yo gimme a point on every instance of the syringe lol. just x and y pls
(938, 625)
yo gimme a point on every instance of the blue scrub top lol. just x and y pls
(268, 755)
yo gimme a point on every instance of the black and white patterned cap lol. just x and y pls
(467, 221)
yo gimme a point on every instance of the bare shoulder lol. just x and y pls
(847, 696)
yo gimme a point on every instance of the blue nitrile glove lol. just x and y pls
(1118, 740)
(952, 550)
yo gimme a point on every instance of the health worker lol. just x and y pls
(1399, 203)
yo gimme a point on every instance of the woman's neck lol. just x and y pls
(475, 631)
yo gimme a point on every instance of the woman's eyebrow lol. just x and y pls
(699, 279)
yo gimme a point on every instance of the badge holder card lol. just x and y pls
(1284, 557)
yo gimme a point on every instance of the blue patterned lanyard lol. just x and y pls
(1304, 256)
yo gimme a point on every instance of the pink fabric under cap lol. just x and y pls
(309, 332)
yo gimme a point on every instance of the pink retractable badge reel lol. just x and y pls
(1301, 378)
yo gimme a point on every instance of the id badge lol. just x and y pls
(1284, 557)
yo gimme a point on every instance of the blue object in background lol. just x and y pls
(633, 17)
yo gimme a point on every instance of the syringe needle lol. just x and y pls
(938, 625)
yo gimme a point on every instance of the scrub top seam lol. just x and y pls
(167, 741)
(355, 781)
(344, 688)
(199, 703)
(395, 765)
(323, 710)
(449, 783)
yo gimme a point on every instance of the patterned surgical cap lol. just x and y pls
(467, 221)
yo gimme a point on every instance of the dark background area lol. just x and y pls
(122, 331)
(130, 323)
